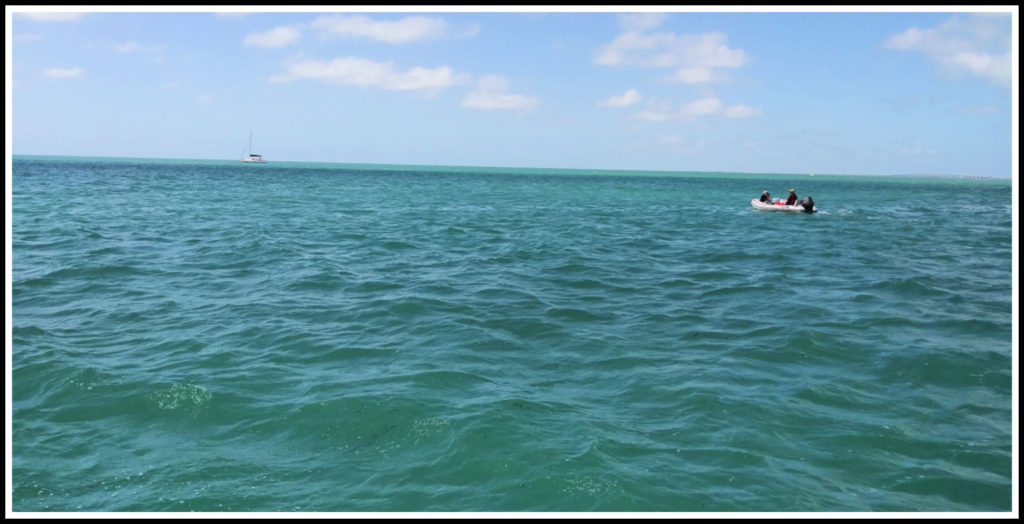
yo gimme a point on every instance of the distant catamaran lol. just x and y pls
(250, 156)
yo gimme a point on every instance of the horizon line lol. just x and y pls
(467, 166)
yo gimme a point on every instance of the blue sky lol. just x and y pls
(782, 92)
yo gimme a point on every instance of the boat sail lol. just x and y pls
(251, 157)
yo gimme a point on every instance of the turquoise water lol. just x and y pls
(212, 336)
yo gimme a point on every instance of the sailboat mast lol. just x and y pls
(249, 156)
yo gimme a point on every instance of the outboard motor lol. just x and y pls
(807, 203)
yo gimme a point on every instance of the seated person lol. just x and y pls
(765, 197)
(792, 198)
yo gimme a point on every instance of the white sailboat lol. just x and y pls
(251, 157)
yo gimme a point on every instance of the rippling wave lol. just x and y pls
(210, 337)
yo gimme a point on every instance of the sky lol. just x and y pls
(875, 93)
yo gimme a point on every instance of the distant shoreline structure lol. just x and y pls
(944, 176)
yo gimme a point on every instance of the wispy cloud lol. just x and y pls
(741, 111)
(492, 93)
(641, 21)
(52, 17)
(368, 73)
(276, 37)
(58, 72)
(916, 149)
(657, 110)
(26, 38)
(630, 97)
(695, 75)
(654, 115)
(401, 31)
(978, 109)
(133, 47)
(671, 50)
(977, 44)
(694, 56)
(702, 107)
(127, 47)
(661, 111)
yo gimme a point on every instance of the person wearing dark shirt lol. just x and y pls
(765, 197)
(808, 204)
(792, 198)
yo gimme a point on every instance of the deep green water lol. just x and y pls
(212, 336)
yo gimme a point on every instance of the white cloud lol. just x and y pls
(973, 44)
(154, 51)
(127, 47)
(657, 110)
(488, 100)
(917, 149)
(26, 38)
(276, 37)
(661, 111)
(52, 17)
(491, 94)
(58, 72)
(741, 111)
(654, 115)
(628, 98)
(204, 99)
(994, 68)
(368, 73)
(492, 83)
(695, 57)
(704, 106)
(642, 21)
(978, 109)
(401, 31)
(705, 50)
(694, 75)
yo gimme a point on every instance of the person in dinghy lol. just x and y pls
(807, 203)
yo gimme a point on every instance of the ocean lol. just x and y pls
(210, 336)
